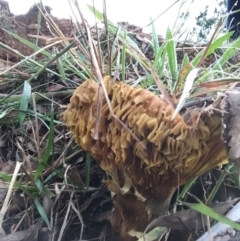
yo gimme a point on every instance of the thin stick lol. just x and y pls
(100, 78)
(210, 42)
(8, 196)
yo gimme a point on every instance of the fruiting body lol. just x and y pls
(143, 175)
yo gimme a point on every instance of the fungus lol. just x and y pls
(143, 179)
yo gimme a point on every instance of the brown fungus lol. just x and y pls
(143, 179)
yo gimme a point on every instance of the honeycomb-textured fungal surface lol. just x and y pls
(167, 154)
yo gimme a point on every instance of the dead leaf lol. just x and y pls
(54, 88)
(188, 219)
(22, 235)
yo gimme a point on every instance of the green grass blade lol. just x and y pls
(231, 50)
(218, 184)
(61, 68)
(154, 39)
(184, 71)
(154, 234)
(42, 189)
(235, 175)
(216, 188)
(159, 60)
(215, 44)
(46, 155)
(39, 19)
(186, 90)
(24, 101)
(8, 178)
(112, 27)
(39, 185)
(185, 61)
(51, 61)
(28, 43)
(161, 67)
(123, 60)
(202, 208)
(172, 57)
(31, 191)
(5, 112)
(25, 59)
(41, 211)
(186, 187)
